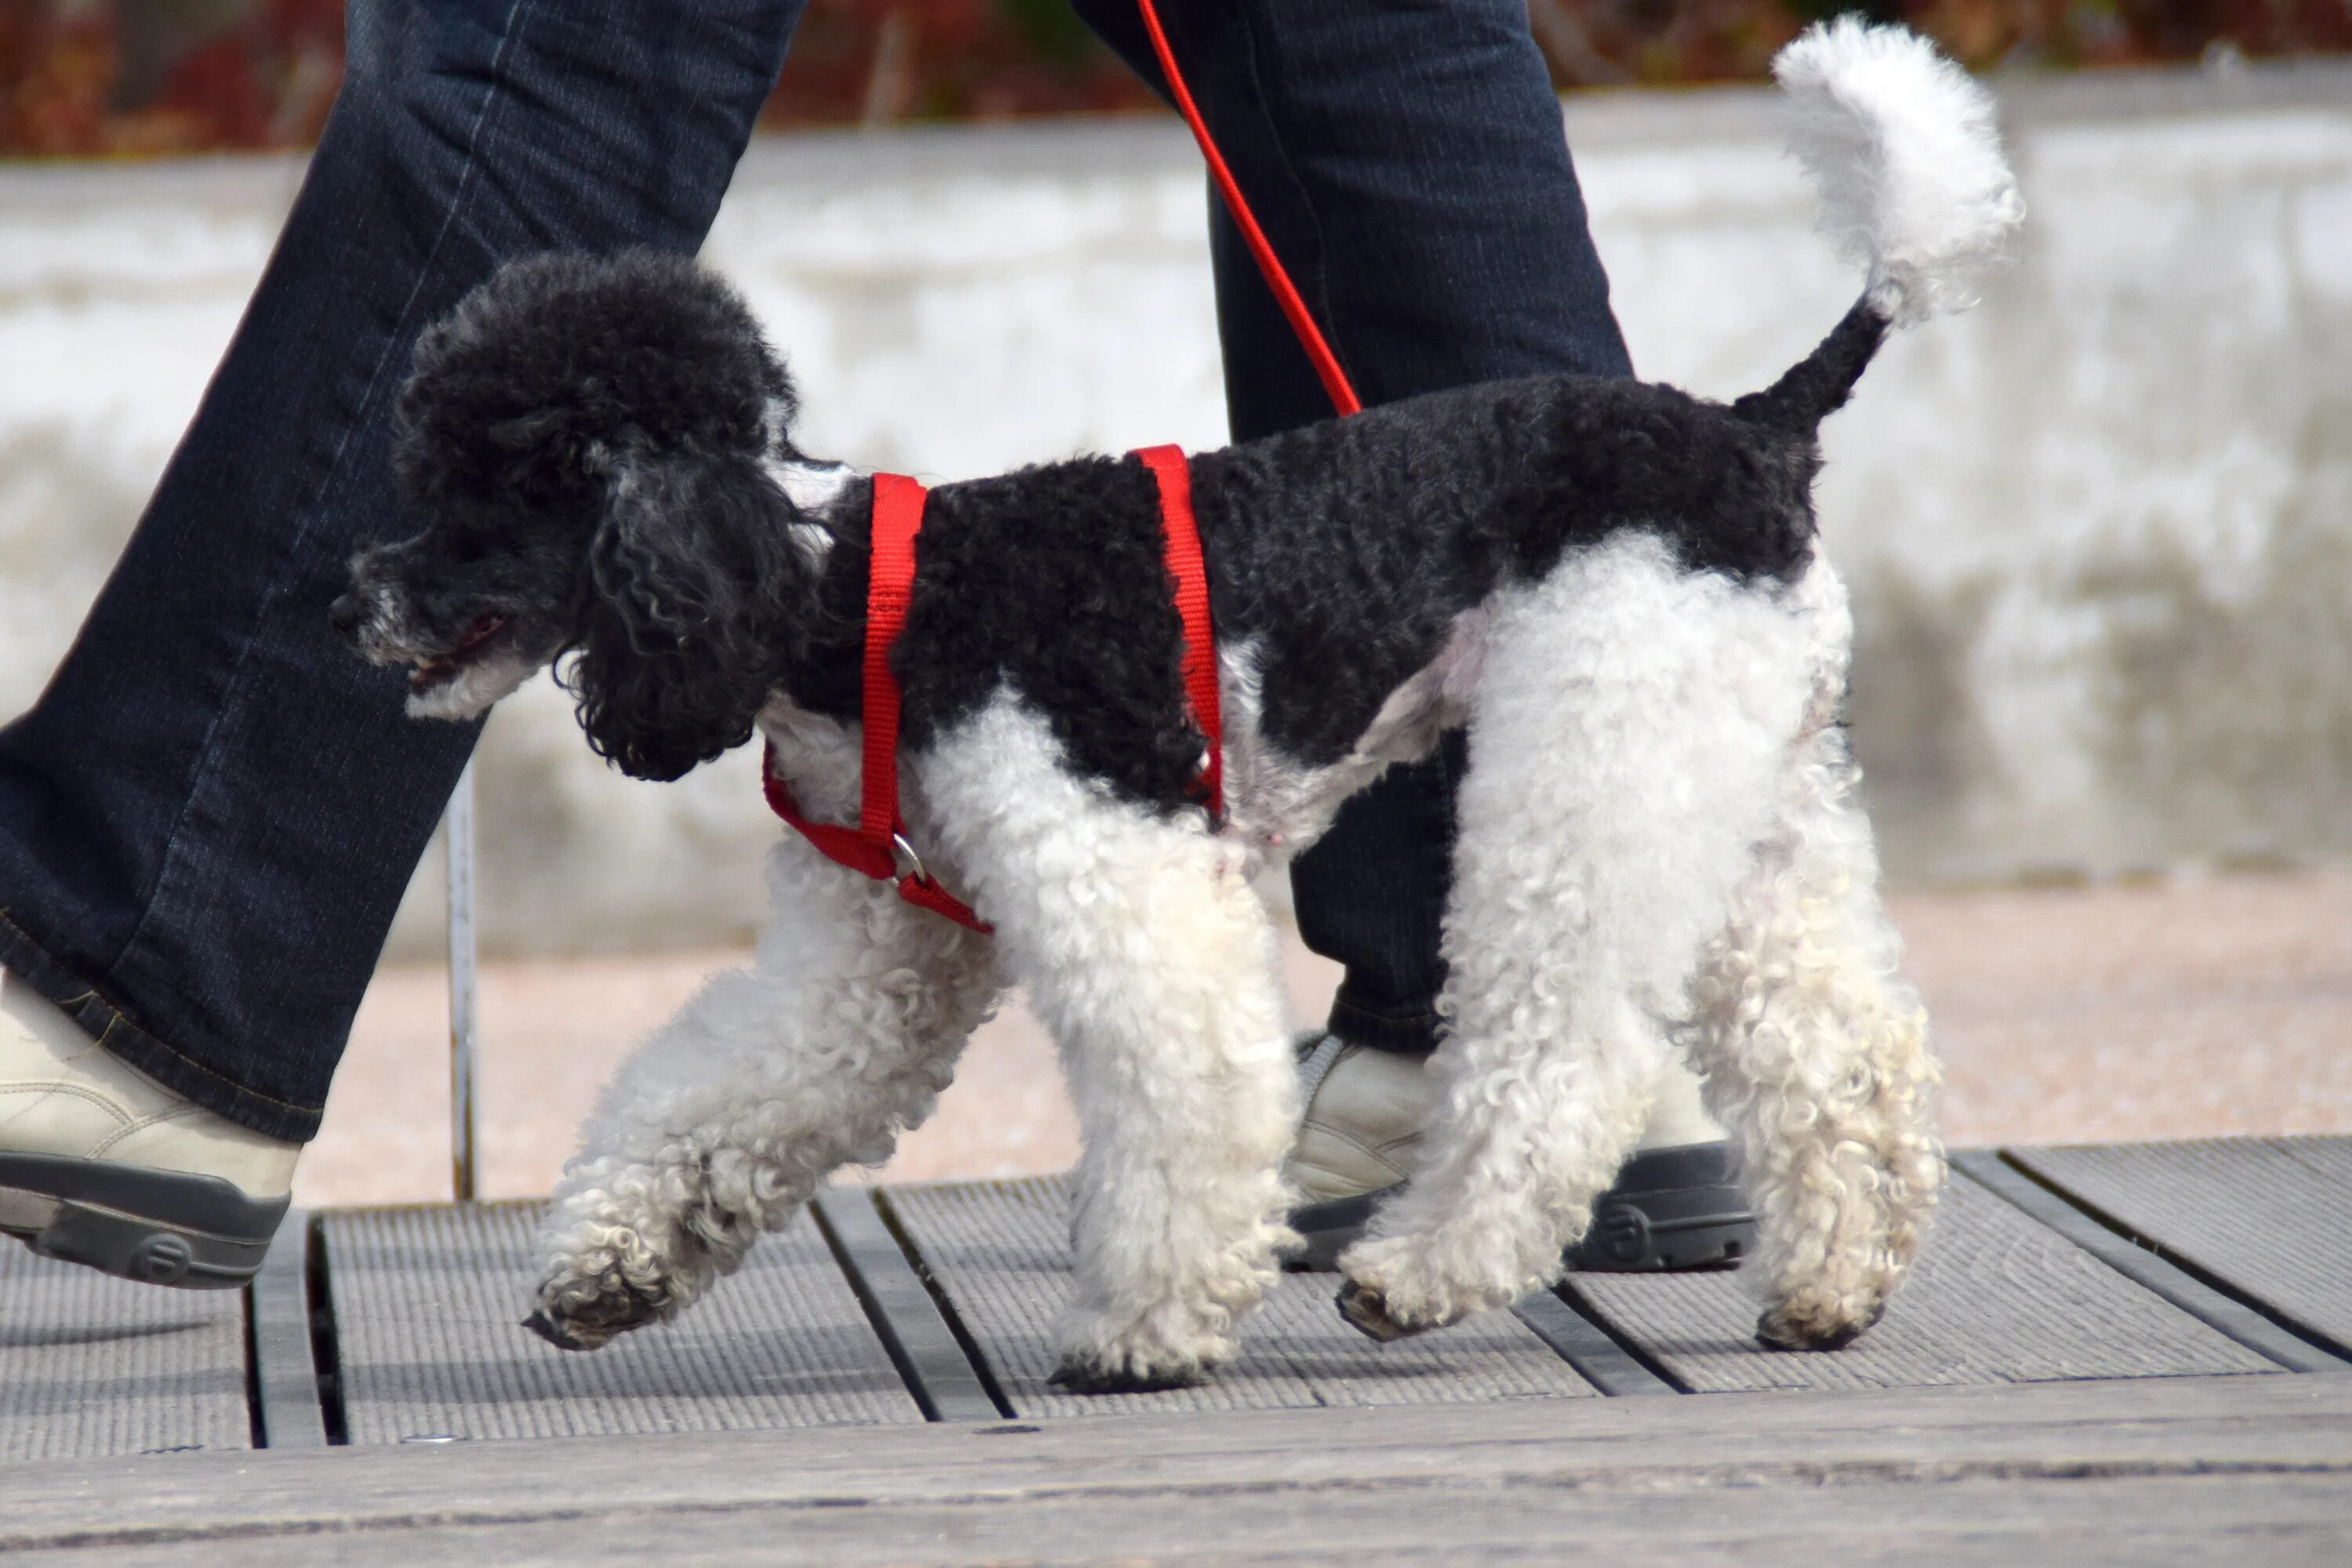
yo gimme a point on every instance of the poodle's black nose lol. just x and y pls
(346, 613)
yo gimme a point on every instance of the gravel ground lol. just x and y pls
(2171, 1009)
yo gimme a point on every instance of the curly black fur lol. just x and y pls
(1351, 547)
(1347, 550)
(1818, 385)
(1053, 580)
(612, 414)
(680, 633)
(549, 373)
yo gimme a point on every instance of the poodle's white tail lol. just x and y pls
(1901, 144)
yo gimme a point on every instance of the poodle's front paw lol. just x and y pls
(577, 1313)
(1367, 1309)
(1394, 1286)
(1817, 1324)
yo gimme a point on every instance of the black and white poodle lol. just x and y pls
(1617, 588)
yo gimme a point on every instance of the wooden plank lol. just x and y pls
(285, 1370)
(1000, 1251)
(2270, 1218)
(92, 1364)
(1921, 1472)
(427, 1309)
(2143, 1267)
(899, 1305)
(2127, 1521)
(1995, 1298)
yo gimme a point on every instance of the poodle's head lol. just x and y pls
(590, 443)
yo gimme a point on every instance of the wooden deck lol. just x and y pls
(2129, 1354)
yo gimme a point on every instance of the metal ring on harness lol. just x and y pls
(906, 862)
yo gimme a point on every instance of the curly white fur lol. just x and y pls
(1658, 841)
(1816, 1057)
(842, 1034)
(473, 691)
(1638, 713)
(1901, 144)
(1702, 854)
(1147, 955)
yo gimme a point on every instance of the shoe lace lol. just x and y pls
(1317, 1064)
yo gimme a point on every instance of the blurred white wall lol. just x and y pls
(2100, 530)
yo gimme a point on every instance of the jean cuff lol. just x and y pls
(121, 1037)
(1407, 1031)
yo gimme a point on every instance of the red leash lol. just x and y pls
(878, 846)
(1302, 320)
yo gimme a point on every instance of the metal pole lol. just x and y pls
(459, 823)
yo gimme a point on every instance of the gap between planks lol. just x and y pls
(289, 1411)
(910, 1321)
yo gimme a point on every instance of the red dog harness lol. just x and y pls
(878, 846)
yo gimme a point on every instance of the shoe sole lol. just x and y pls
(1670, 1209)
(159, 1227)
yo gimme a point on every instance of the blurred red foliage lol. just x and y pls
(143, 77)
(134, 77)
(871, 61)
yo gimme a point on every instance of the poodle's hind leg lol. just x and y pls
(1151, 961)
(1625, 731)
(1816, 1056)
(725, 1121)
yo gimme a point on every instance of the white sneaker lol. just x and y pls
(1675, 1204)
(1361, 1129)
(100, 1164)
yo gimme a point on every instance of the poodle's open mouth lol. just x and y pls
(444, 667)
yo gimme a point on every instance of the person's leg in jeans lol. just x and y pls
(1408, 163)
(207, 820)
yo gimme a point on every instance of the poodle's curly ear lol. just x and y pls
(679, 639)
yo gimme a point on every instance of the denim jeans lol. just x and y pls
(207, 820)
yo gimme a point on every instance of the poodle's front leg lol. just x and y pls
(1147, 955)
(721, 1125)
(1816, 1057)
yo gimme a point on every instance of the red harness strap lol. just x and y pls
(878, 846)
(1181, 539)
